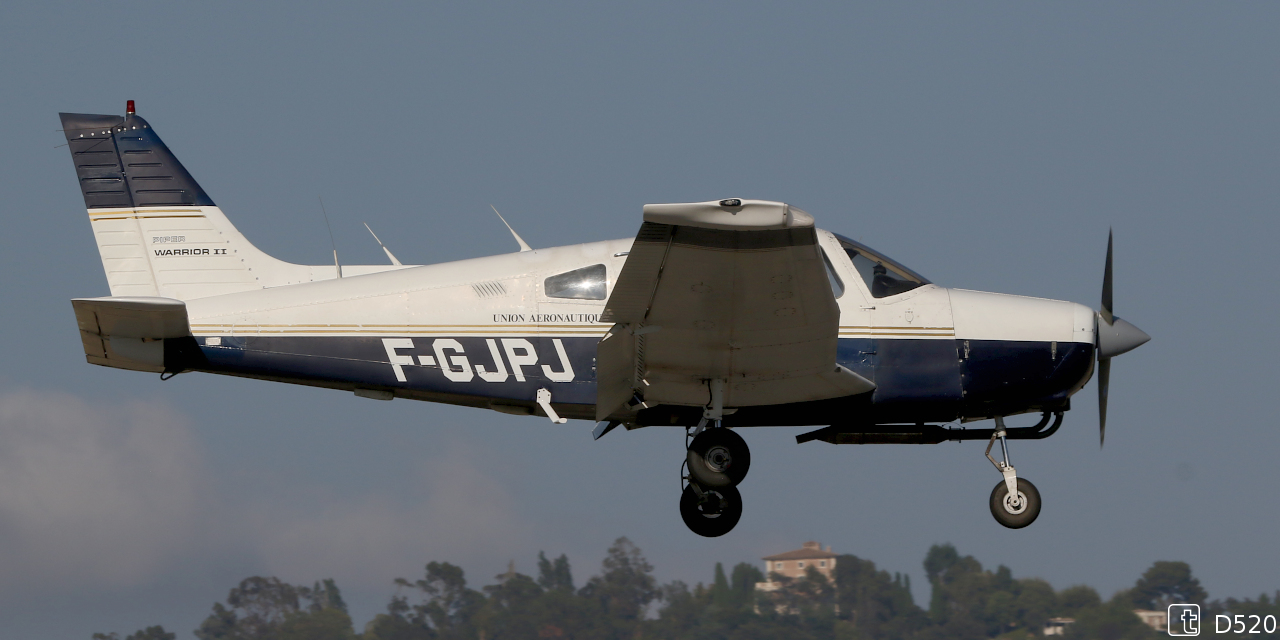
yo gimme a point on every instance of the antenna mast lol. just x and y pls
(384, 247)
(336, 265)
(523, 245)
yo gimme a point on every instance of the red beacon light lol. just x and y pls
(128, 109)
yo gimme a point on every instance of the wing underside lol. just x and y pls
(710, 292)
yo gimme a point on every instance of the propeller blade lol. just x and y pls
(1104, 381)
(1106, 284)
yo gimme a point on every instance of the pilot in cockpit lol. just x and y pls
(883, 284)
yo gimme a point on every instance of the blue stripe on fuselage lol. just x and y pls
(917, 380)
(362, 361)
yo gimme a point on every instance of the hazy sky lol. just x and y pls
(986, 145)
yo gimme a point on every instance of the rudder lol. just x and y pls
(158, 232)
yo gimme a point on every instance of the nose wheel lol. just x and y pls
(1015, 502)
(1015, 510)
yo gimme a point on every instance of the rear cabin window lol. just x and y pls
(587, 283)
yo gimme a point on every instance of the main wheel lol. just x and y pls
(1018, 511)
(719, 458)
(714, 514)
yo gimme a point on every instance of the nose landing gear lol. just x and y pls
(1015, 502)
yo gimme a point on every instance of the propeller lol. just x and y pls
(1115, 336)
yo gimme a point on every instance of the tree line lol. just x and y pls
(624, 600)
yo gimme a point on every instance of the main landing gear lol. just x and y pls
(716, 461)
(1015, 502)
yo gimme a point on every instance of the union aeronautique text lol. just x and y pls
(541, 318)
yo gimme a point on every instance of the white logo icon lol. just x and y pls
(1184, 619)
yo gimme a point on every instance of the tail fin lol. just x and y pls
(158, 232)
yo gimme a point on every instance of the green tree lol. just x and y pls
(1112, 621)
(1166, 583)
(959, 590)
(396, 623)
(554, 575)
(875, 605)
(1074, 599)
(450, 604)
(1036, 603)
(262, 608)
(511, 608)
(324, 596)
(626, 586)
(324, 624)
(742, 584)
(969, 602)
(150, 633)
(720, 593)
(682, 611)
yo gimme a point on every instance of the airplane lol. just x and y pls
(716, 316)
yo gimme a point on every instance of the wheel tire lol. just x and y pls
(715, 515)
(1011, 515)
(719, 458)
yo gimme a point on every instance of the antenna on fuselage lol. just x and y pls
(524, 246)
(336, 265)
(384, 247)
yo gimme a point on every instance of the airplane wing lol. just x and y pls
(734, 290)
(129, 332)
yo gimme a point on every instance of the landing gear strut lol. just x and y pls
(1015, 502)
(717, 460)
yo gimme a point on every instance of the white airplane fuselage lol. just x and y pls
(482, 332)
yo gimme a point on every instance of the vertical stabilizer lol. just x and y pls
(158, 232)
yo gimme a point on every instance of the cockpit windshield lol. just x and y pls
(883, 276)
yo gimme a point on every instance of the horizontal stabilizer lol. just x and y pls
(130, 333)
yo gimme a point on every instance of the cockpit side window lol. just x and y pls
(883, 276)
(587, 283)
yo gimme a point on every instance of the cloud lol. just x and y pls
(95, 494)
(463, 515)
(119, 495)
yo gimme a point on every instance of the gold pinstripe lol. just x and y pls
(137, 214)
(464, 330)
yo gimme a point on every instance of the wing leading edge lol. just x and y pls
(734, 290)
